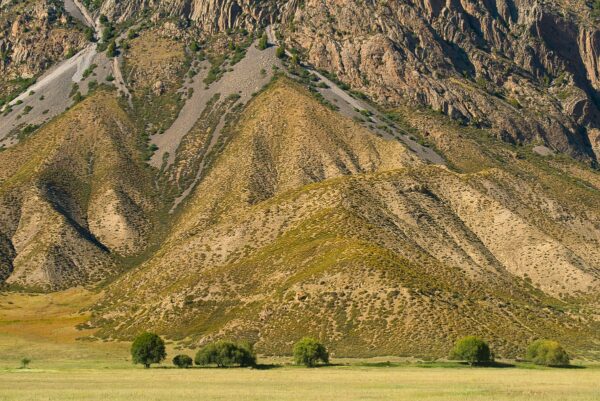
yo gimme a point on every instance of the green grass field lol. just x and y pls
(41, 327)
(290, 383)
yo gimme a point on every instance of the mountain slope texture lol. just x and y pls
(385, 176)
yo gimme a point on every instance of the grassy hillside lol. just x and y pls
(74, 197)
(306, 223)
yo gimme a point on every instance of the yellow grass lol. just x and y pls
(63, 368)
(42, 327)
(342, 383)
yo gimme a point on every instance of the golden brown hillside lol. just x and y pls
(306, 223)
(74, 196)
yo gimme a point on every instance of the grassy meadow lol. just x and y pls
(289, 383)
(63, 367)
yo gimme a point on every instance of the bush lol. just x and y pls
(262, 43)
(471, 349)
(148, 348)
(25, 363)
(111, 50)
(89, 34)
(107, 34)
(182, 361)
(226, 353)
(280, 52)
(548, 353)
(309, 352)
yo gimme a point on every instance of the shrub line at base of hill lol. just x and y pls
(149, 348)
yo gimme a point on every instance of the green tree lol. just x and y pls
(263, 42)
(89, 34)
(25, 363)
(226, 353)
(148, 348)
(309, 352)
(111, 50)
(548, 353)
(182, 361)
(280, 52)
(596, 9)
(471, 349)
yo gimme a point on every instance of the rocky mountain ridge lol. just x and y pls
(528, 69)
(34, 35)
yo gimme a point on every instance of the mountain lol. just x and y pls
(527, 69)
(73, 198)
(33, 36)
(386, 177)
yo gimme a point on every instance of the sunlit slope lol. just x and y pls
(306, 223)
(72, 196)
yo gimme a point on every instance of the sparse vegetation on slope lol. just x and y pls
(74, 197)
(307, 224)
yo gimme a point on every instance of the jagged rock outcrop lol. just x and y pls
(33, 36)
(210, 15)
(523, 68)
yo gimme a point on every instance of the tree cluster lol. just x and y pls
(149, 348)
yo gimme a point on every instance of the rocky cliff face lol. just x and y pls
(525, 68)
(33, 36)
(210, 15)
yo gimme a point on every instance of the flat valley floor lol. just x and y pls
(65, 367)
(290, 383)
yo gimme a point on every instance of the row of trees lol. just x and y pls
(474, 350)
(149, 348)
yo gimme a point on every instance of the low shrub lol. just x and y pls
(226, 354)
(182, 361)
(263, 42)
(547, 353)
(280, 52)
(471, 349)
(309, 352)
